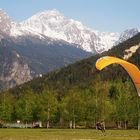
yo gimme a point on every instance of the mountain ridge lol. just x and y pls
(50, 22)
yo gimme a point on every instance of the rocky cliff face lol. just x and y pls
(13, 69)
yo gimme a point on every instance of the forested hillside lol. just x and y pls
(83, 72)
(78, 95)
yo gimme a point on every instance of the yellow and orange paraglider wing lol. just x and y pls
(132, 70)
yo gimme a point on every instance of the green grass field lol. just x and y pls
(67, 134)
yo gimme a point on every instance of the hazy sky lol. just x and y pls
(103, 15)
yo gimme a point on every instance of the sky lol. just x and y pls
(102, 15)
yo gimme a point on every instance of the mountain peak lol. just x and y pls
(132, 30)
(53, 12)
(5, 22)
(3, 15)
(48, 14)
(127, 34)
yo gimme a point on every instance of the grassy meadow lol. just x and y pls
(67, 134)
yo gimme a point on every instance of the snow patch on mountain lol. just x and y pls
(129, 52)
(18, 30)
(106, 41)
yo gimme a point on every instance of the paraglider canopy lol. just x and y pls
(132, 70)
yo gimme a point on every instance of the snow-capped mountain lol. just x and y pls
(26, 54)
(53, 24)
(127, 34)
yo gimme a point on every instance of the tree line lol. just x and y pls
(115, 102)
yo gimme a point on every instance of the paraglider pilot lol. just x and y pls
(100, 126)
